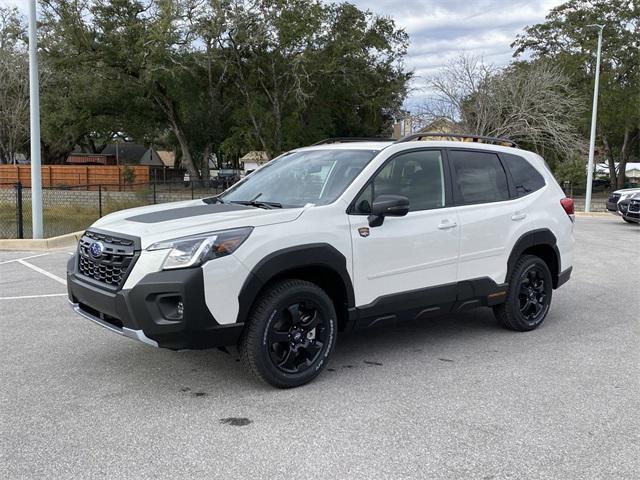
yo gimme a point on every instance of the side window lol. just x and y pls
(525, 177)
(480, 177)
(418, 175)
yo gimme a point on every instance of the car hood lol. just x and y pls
(166, 221)
(627, 190)
(628, 193)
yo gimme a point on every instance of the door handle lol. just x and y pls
(518, 216)
(446, 225)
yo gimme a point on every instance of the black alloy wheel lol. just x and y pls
(290, 333)
(529, 296)
(296, 336)
(532, 296)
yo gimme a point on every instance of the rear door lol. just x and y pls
(488, 216)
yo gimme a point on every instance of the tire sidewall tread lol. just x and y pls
(253, 353)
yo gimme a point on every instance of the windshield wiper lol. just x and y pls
(254, 203)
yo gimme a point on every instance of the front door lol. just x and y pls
(395, 264)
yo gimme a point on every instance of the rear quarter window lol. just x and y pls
(526, 178)
(479, 177)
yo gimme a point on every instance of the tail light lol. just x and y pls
(568, 206)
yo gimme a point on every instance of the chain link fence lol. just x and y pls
(73, 208)
(70, 209)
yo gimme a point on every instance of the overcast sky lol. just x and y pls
(440, 29)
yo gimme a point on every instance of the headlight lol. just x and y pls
(198, 249)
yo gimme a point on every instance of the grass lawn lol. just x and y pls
(59, 219)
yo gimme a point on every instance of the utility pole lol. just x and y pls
(34, 103)
(594, 116)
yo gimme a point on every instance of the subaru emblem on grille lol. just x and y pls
(96, 249)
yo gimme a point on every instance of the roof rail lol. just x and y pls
(461, 137)
(328, 141)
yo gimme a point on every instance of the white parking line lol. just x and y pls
(24, 258)
(43, 272)
(34, 296)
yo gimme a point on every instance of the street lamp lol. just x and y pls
(594, 115)
(34, 104)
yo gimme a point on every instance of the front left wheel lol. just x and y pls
(290, 334)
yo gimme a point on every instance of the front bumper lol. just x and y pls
(613, 207)
(145, 312)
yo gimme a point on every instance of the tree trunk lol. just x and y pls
(206, 176)
(167, 106)
(613, 180)
(624, 157)
(186, 160)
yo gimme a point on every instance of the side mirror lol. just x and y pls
(387, 206)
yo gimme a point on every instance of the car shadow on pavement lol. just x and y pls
(198, 373)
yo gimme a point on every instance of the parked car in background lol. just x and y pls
(631, 213)
(228, 176)
(620, 196)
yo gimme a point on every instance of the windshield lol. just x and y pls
(295, 179)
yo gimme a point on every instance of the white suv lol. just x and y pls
(330, 238)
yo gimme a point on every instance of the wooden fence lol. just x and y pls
(110, 177)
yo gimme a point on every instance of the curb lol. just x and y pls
(593, 214)
(68, 240)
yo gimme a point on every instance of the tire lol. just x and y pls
(529, 297)
(290, 334)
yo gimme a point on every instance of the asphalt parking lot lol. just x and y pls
(451, 397)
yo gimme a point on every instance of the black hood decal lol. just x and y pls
(185, 212)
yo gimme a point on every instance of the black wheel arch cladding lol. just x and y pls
(542, 238)
(309, 256)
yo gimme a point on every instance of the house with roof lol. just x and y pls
(253, 160)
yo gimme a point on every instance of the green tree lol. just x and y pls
(133, 58)
(14, 86)
(567, 39)
(212, 75)
(306, 70)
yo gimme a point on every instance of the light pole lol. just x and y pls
(594, 116)
(34, 103)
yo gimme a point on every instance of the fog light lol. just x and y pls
(171, 306)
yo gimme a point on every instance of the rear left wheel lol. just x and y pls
(529, 298)
(290, 334)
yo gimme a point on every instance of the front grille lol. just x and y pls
(634, 206)
(111, 267)
(103, 237)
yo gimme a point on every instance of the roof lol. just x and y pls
(458, 137)
(256, 156)
(167, 158)
(435, 141)
(349, 146)
(130, 153)
(90, 159)
(604, 167)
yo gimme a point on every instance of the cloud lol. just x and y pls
(21, 4)
(441, 30)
